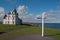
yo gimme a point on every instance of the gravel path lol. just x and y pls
(32, 37)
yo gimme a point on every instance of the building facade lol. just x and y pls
(12, 18)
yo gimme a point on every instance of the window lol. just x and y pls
(13, 18)
(13, 22)
(8, 22)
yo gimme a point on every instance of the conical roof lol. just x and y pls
(5, 16)
(9, 13)
(15, 11)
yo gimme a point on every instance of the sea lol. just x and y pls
(51, 25)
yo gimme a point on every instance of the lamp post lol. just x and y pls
(43, 24)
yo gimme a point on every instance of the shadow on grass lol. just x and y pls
(2, 32)
(53, 34)
(27, 24)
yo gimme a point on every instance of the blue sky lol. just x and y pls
(35, 7)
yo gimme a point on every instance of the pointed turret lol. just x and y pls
(14, 11)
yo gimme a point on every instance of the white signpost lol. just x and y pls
(43, 24)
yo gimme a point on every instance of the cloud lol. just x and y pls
(38, 17)
(1, 9)
(22, 9)
(23, 12)
(54, 11)
(47, 16)
(50, 15)
(1, 13)
(53, 16)
(25, 15)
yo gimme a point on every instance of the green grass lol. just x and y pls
(24, 29)
(11, 27)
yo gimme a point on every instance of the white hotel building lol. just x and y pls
(12, 18)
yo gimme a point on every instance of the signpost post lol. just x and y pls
(43, 24)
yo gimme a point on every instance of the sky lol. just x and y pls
(30, 10)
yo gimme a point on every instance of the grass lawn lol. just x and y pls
(20, 30)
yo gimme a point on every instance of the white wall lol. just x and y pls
(10, 19)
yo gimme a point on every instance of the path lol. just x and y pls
(32, 37)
